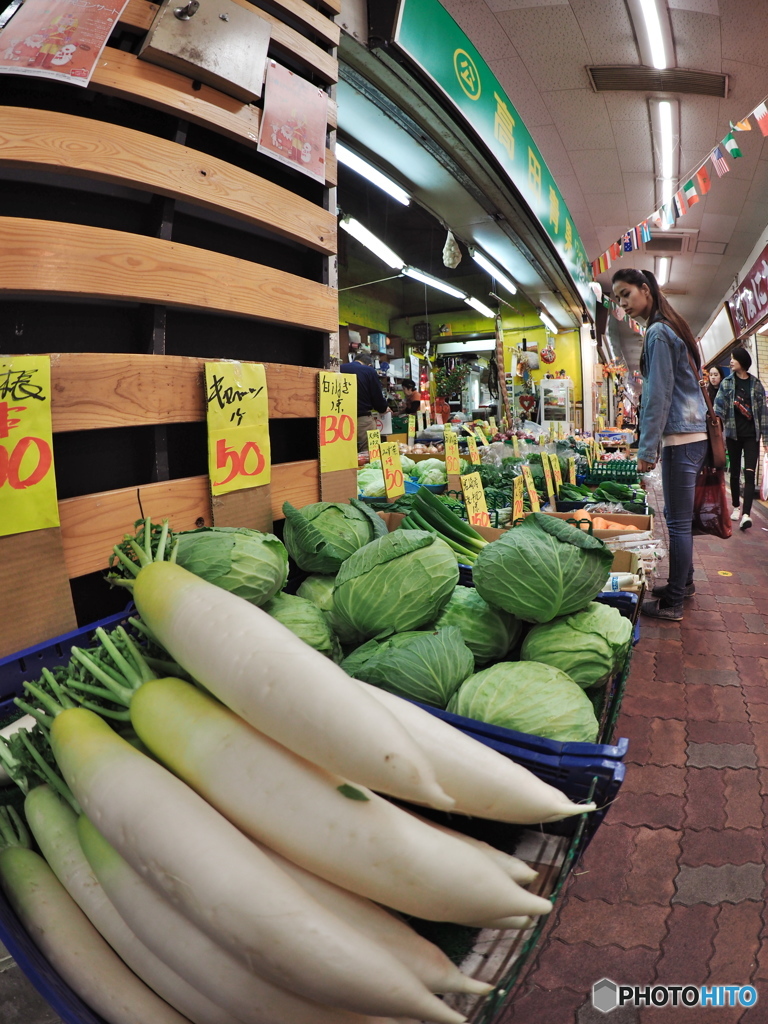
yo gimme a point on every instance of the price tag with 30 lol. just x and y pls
(394, 481)
(474, 454)
(474, 498)
(237, 412)
(337, 420)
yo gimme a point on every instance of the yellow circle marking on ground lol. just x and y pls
(722, 572)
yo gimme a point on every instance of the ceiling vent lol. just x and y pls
(635, 78)
(667, 244)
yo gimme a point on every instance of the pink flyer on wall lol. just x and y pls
(293, 123)
(60, 39)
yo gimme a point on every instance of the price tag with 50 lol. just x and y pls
(237, 411)
(474, 498)
(394, 482)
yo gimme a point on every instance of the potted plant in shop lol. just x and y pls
(448, 382)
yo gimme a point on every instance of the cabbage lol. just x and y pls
(370, 481)
(542, 569)
(319, 590)
(422, 666)
(430, 471)
(528, 697)
(590, 645)
(398, 582)
(307, 621)
(246, 562)
(319, 537)
(488, 632)
(408, 465)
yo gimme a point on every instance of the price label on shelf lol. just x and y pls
(533, 494)
(504, 424)
(590, 455)
(547, 467)
(374, 444)
(452, 460)
(474, 498)
(480, 434)
(552, 431)
(237, 412)
(492, 424)
(411, 428)
(27, 479)
(517, 498)
(572, 470)
(420, 421)
(516, 446)
(337, 420)
(560, 432)
(474, 454)
(556, 472)
(394, 482)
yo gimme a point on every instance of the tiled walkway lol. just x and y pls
(671, 890)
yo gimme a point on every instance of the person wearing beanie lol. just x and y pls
(740, 403)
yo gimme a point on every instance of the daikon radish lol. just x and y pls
(279, 684)
(483, 782)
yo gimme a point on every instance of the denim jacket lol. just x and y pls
(672, 401)
(725, 410)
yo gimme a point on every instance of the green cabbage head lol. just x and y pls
(399, 582)
(488, 632)
(319, 590)
(248, 563)
(542, 569)
(419, 665)
(590, 645)
(528, 697)
(307, 621)
(319, 537)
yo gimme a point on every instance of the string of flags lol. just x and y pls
(687, 196)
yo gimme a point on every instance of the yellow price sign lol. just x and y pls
(555, 463)
(590, 456)
(420, 421)
(546, 466)
(374, 444)
(474, 454)
(504, 424)
(572, 470)
(492, 425)
(560, 432)
(337, 420)
(394, 481)
(27, 479)
(452, 459)
(411, 428)
(237, 413)
(552, 431)
(517, 498)
(531, 488)
(480, 434)
(516, 446)
(474, 499)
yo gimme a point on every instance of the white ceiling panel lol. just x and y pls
(581, 118)
(633, 143)
(598, 171)
(550, 43)
(702, 6)
(516, 81)
(556, 156)
(743, 31)
(717, 227)
(607, 30)
(697, 40)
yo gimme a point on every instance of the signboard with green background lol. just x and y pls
(427, 33)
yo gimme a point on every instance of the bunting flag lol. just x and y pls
(691, 195)
(604, 263)
(635, 238)
(760, 113)
(667, 214)
(719, 162)
(703, 180)
(656, 219)
(681, 207)
(732, 146)
(741, 126)
(645, 231)
(595, 267)
(627, 242)
(615, 250)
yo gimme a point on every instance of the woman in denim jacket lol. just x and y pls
(673, 421)
(740, 403)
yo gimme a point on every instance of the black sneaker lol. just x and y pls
(661, 590)
(658, 610)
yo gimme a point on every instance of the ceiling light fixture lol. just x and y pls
(434, 282)
(482, 260)
(665, 125)
(662, 269)
(370, 241)
(548, 322)
(653, 26)
(650, 19)
(480, 307)
(371, 173)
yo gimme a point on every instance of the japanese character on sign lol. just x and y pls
(554, 210)
(467, 73)
(534, 173)
(503, 126)
(568, 235)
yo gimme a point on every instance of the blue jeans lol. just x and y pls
(680, 466)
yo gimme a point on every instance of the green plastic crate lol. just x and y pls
(624, 471)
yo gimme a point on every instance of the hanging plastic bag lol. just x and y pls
(764, 479)
(710, 504)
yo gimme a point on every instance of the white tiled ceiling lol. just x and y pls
(598, 145)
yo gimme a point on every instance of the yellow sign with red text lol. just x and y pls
(474, 454)
(337, 420)
(572, 470)
(533, 494)
(452, 459)
(374, 444)
(555, 464)
(474, 499)
(27, 479)
(237, 412)
(547, 467)
(517, 498)
(394, 481)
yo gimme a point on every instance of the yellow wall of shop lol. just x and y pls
(567, 356)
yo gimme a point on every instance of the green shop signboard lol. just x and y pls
(429, 35)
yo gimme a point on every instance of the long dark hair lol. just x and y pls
(662, 310)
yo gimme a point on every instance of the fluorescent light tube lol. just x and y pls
(548, 322)
(433, 282)
(480, 307)
(655, 35)
(663, 264)
(667, 140)
(482, 260)
(370, 241)
(371, 173)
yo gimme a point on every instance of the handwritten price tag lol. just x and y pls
(492, 424)
(394, 482)
(555, 464)
(411, 428)
(27, 479)
(474, 498)
(517, 497)
(552, 431)
(474, 454)
(572, 470)
(516, 446)
(452, 460)
(374, 444)
(547, 467)
(480, 434)
(237, 412)
(420, 422)
(337, 421)
(533, 494)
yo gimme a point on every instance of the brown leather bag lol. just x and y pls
(716, 457)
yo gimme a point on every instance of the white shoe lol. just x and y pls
(736, 513)
(745, 523)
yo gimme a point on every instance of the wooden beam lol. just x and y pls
(322, 26)
(296, 482)
(107, 152)
(44, 258)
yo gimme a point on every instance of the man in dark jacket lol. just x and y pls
(369, 396)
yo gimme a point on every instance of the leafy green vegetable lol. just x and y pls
(528, 697)
(319, 590)
(488, 632)
(423, 666)
(542, 569)
(430, 471)
(319, 537)
(307, 621)
(397, 582)
(248, 563)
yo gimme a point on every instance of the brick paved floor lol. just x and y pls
(672, 888)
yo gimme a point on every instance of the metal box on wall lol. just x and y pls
(216, 42)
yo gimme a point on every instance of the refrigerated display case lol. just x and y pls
(556, 403)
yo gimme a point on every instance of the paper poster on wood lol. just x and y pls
(337, 420)
(294, 121)
(27, 478)
(237, 412)
(60, 39)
